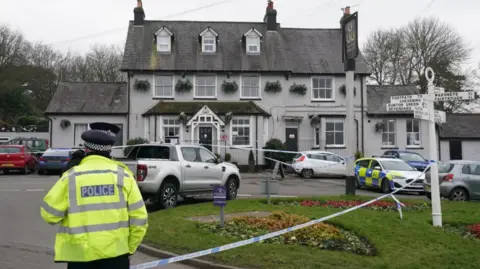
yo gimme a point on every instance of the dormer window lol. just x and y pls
(209, 40)
(164, 40)
(252, 41)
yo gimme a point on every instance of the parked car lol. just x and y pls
(17, 157)
(166, 171)
(318, 163)
(36, 145)
(414, 159)
(459, 180)
(54, 160)
(387, 174)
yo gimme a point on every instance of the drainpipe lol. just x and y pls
(128, 106)
(155, 132)
(358, 140)
(256, 140)
(50, 127)
(362, 116)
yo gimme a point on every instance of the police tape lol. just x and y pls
(273, 234)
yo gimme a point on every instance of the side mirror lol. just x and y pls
(377, 168)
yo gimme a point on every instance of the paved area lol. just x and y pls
(25, 240)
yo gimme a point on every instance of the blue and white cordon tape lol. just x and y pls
(269, 235)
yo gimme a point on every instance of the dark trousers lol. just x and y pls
(120, 262)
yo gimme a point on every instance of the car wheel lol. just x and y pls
(41, 172)
(168, 196)
(26, 169)
(458, 194)
(386, 185)
(307, 173)
(232, 189)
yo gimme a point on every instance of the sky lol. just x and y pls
(75, 25)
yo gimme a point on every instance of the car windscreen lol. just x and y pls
(396, 165)
(10, 149)
(445, 167)
(59, 153)
(411, 157)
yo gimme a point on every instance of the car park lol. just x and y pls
(318, 163)
(387, 174)
(17, 157)
(54, 160)
(459, 180)
(414, 159)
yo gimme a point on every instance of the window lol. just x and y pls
(147, 129)
(322, 89)
(397, 166)
(253, 43)
(163, 43)
(153, 152)
(189, 154)
(413, 133)
(10, 150)
(119, 136)
(471, 169)
(363, 163)
(209, 44)
(411, 157)
(334, 131)
(163, 86)
(78, 129)
(250, 87)
(240, 132)
(332, 158)
(206, 156)
(205, 86)
(171, 130)
(388, 133)
(316, 135)
(375, 164)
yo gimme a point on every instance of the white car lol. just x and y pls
(315, 163)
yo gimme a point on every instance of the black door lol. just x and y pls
(205, 137)
(291, 139)
(456, 150)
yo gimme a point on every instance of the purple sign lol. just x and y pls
(219, 195)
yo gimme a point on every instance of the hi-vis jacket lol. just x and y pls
(100, 211)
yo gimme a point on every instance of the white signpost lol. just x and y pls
(422, 107)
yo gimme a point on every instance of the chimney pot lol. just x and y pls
(139, 3)
(270, 4)
(270, 18)
(347, 10)
(138, 14)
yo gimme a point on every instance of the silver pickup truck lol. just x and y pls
(166, 171)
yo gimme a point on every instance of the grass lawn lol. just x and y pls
(409, 243)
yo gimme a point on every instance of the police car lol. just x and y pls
(387, 174)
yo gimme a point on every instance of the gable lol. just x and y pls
(206, 111)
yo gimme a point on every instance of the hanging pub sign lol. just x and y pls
(350, 36)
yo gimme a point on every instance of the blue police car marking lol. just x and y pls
(98, 190)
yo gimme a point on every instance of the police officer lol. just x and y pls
(99, 207)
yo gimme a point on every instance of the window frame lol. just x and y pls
(317, 135)
(385, 127)
(155, 86)
(334, 131)
(199, 150)
(412, 132)
(315, 89)
(208, 35)
(196, 96)
(250, 130)
(167, 40)
(164, 136)
(259, 96)
(252, 40)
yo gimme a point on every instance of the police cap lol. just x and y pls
(98, 140)
(108, 128)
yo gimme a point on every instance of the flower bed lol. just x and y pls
(321, 235)
(465, 231)
(343, 204)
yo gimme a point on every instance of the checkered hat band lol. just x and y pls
(108, 132)
(97, 147)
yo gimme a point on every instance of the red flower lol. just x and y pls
(474, 229)
(309, 203)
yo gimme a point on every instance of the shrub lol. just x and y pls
(133, 141)
(251, 157)
(228, 157)
(275, 144)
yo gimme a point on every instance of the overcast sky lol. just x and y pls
(76, 24)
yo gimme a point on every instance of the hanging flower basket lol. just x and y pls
(273, 87)
(141, 85)
(228, 117)
(298, 89)
(379, 126)
(182, 117)
(183, 85)
(343, 90)
(315, 120)
(65, 123)
(229, 87)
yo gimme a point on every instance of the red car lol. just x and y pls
(17, 157)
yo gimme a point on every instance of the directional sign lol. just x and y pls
(452, 96)
(410, 98)
(405, 107)
(422, 113)
(439, 90)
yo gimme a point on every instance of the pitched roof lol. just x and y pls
(89, 98)
(378, 96)
(465, 125)
(303, 51)
(191, 108)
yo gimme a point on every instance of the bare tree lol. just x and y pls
(12, 47)
(104, 63)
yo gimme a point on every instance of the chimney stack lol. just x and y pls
(138, 14)
(270, 18)
(346, 13)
